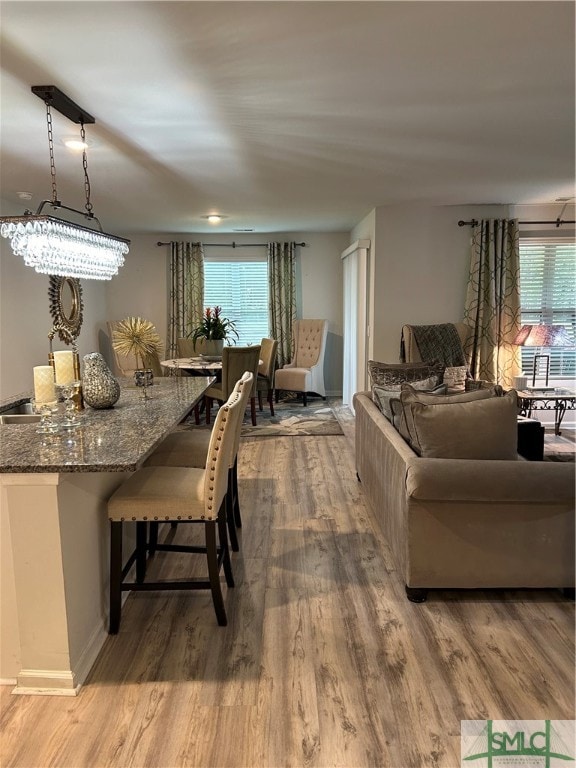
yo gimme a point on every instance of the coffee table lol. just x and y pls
(557, 400)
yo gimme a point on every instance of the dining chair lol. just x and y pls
(125, 365)
(189, 448)
(176, 495)
(266, 370)
(235, 360)
(187, 347)
(305, 372)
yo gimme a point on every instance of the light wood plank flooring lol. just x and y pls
(324, 661)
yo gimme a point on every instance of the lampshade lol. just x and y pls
(55, 246)
(543, 336)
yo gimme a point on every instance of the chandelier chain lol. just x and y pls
(88, 205)
(55, 200)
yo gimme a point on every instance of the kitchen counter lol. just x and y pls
(55, 530)
(117, 439)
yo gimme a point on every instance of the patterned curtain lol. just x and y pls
(282, 276)
(493, 301)
(186, 296)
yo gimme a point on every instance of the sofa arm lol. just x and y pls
(515, 482)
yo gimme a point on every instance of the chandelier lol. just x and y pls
(52, 245)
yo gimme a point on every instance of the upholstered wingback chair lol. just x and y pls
(412, 353)
(305, 372)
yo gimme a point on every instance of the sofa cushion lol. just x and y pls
(387, 378)
(410, 395)
(477, 429)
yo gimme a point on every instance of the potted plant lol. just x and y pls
(214, 330)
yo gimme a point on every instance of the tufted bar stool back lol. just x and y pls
(189, 448)
(156, 494)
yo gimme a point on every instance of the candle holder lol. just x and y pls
(46, 410)
(143, 379)
(70, 420)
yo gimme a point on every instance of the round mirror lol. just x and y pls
(66, 306)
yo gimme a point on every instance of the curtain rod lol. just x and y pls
(556, 222)
(236, 245)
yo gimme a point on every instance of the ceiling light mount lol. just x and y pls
(55, 246)
(52, 95)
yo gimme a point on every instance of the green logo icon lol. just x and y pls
(539, 745)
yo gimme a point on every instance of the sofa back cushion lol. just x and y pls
(404, 420)
(475, 429)
(387, 378)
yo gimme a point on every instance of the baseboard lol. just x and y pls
(46, 682)
(63, 682)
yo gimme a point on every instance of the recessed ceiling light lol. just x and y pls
(75, 144)
(214, 218)
(25, 195)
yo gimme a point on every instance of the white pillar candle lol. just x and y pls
(64, 367)
(44, 391)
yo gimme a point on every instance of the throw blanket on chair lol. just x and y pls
(439, 342)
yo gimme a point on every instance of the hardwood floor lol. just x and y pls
(324, 661)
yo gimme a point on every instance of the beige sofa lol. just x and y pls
(463, 523)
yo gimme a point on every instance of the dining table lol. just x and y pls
(200, 365)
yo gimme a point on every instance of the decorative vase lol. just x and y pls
(99, 387)
(213, 347)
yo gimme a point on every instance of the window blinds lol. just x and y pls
(548, 295)
(240, 287)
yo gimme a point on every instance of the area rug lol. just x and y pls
(292, 419)
(559, 447)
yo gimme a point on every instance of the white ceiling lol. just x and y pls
(289, 116)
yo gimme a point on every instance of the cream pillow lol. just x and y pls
(478, 429)
(455, 378)
(409, 395)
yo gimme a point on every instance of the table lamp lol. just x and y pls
(542, 336)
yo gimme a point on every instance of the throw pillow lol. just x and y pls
(478, 429)
(386, 379)
(387, 374)
(382, 396)
(455, 378)
(410, 395)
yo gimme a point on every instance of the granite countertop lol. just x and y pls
(117, 439)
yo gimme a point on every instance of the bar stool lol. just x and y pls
(182, 495)
(190, 448)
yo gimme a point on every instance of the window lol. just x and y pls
(548, 295)
(240, 287)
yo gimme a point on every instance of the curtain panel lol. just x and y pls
(493, 301)
(186, 292)
(282, 277)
